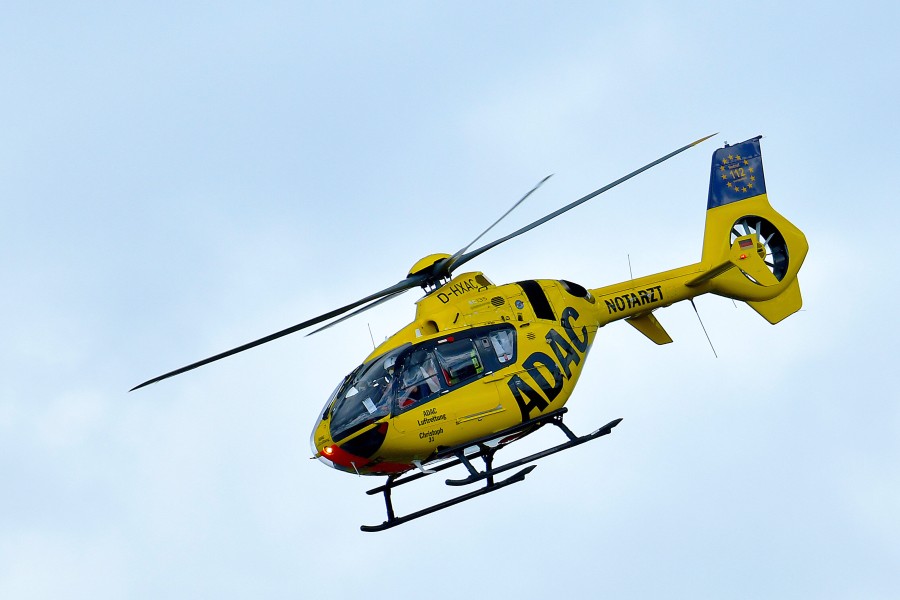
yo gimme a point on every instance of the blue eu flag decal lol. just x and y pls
(737, 173)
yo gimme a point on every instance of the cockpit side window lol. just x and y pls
(503, 342)
(438, 366)
(459, 361)
(419, 381)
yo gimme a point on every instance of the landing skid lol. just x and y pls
(486, 448)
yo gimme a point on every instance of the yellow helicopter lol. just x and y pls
(483, 365)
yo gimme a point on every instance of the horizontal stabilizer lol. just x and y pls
(744, 255)
(649, 326)
(781, 306)
(710, 274)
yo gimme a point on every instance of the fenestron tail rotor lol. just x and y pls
(429, 273)
(770, 244)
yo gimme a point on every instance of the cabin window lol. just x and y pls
(503, 342)
(459, 361)
(437, 366)
(419, 381)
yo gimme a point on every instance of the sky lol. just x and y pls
(179, 178)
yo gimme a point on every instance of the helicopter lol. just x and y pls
(483, 365)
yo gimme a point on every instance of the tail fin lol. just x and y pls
(750, 252)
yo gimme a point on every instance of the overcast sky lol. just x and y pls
(179, 178)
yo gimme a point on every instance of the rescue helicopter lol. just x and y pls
(482, 365)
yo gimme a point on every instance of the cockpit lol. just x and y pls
(366, 395)
(414, 374)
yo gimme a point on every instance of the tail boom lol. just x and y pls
(750, 253)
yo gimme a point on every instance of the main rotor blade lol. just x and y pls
(469, 256)
(397, 288)
(357, 311)
(447, 267)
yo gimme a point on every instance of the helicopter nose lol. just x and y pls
(337, 458)
(324, 455)
(354, 453)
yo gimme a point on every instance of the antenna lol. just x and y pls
(630, 274)
(704, 328)
(369, 325)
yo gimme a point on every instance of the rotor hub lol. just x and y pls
(430, 270)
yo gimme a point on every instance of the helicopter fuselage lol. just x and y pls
(477, 359)
(480, 358)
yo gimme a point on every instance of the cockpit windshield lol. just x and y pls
(365, 396)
